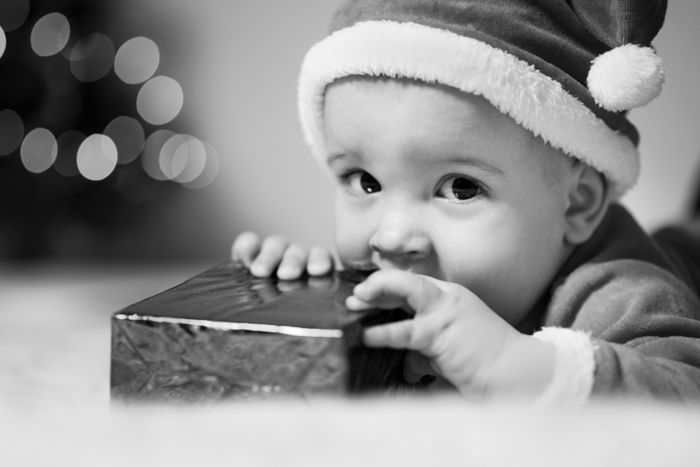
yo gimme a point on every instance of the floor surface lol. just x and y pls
(55, 408)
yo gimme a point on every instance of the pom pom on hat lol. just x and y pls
(625, 77)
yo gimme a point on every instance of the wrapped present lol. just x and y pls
(224, 335)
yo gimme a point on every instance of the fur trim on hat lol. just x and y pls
(516, 88)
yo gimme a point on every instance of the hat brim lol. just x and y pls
(409, 50)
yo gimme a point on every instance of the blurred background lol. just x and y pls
(159, 129)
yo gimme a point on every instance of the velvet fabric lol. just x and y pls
(640, 309)
(559, 38)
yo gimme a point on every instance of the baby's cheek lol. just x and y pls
(476, 263)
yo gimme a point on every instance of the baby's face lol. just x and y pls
(440, 183)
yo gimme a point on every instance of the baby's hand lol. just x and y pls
(276, 254)
(463, 339)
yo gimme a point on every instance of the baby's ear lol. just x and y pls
(588, 201)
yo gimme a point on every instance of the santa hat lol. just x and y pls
(568, 71)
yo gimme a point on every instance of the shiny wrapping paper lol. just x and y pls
(225, 335)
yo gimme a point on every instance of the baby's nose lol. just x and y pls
(400, 239)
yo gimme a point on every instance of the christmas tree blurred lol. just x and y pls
(91, 135)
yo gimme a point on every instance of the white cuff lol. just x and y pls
(574, 365)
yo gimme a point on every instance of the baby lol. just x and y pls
(478, 157)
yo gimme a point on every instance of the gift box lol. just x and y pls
(225, 334)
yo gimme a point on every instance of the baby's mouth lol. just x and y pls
(366, 267)
(363, 267)
(357, 272)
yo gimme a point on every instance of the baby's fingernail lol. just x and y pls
(287, 272)
(259, 269)
(365, 292)
(315, 269)
(353, 302)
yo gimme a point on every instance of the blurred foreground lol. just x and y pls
(54, 400)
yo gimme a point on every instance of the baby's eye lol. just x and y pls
(459, 188)
(361, 182)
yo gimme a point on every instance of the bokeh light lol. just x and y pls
(97, 157)
(182, 158)
(150, 158)
(159, 100)
(13, 13)
(3, 42)
(11, 131)
(67, 160)
(167, 156)
(136, 60)
(38, 151)
(210, 172)
(92, 57)
(50, 34)
(189, 160)
(128, 135)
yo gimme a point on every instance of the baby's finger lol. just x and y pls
(245, 248)
(293, 263)
(271, 253)
(414, 334)
(385, 302)
(394, 335)
(356, 304)
(416, 290)
(320, 262)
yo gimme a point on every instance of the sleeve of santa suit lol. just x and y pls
(639, 324)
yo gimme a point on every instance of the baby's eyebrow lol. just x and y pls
(478, 163)
(455, 160)
(334, 157)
